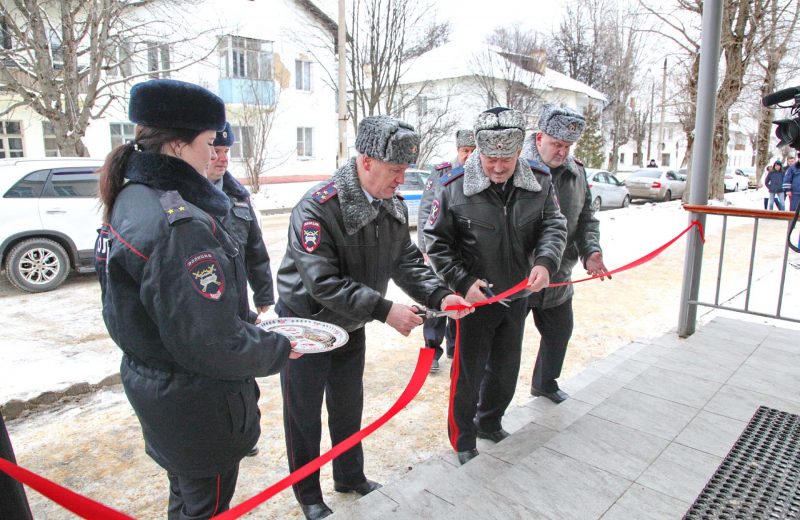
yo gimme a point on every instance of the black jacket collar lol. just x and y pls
(167, 173)
(233, 187)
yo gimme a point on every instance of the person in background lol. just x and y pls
(791, 184)
(347, 239)
(774, 184)
(243, 223)
(174, 297)
(492, 225)
(652, 164)
(559, 128)
(435, 330)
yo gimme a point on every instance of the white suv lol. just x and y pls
(49, 215)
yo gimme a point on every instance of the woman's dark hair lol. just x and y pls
(147, 139)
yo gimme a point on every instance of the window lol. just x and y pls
(243, 147)
(56, 49)
(622, 158)
(122, 133)
(302, 75)
(11, 140)
(422, 106)
(73, 183)
(669, 132)
(635, 158)
(158, 60)
(246, 58)
(50, 140)
(121, 59)
(30, 186)
(664, 159)
(305, 142)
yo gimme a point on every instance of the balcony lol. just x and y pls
(247, 91)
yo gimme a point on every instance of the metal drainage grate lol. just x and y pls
(759, 477)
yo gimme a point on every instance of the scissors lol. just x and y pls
(427, 314)
(487, 291)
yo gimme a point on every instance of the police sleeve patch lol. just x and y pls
(206, 275)
(429, 184)
(312, 235)
(435, 206)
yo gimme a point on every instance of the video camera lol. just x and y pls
(788, 130)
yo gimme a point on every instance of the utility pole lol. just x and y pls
(342, 85)
(661, 145)
(650, 132)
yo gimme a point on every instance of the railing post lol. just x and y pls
(701, 161)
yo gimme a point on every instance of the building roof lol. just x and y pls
(320, 15)
(453, 60)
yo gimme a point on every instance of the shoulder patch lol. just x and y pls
(206, 274)
(325, 193)
(577, 161)
(443, 166)
(175, 207)
(538, 167)
(452, 175)
(435, 207)
(312, 235)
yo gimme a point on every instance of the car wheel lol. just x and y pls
(37, 265)
(626, 202)
(668, 196)
(596, 203)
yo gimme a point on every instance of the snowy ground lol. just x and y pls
(92, 443)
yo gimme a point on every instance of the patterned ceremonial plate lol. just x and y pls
(312, 337)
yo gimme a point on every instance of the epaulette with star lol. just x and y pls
(325, 193)
(175, 208)
(538, 167)
(442, 166)
(452, 175)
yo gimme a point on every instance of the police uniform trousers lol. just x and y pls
(200, 498)
(555, 327)
(434, 330)
(13, 502)
(488, 365)
(338, 375)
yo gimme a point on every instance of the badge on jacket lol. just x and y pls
(206, 274)
(434, 212)
(312, 235)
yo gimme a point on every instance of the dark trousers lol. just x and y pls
(200, 498)
(13, 502)
(555, 327)
(435, 330)
(486, 371)
(338, 375)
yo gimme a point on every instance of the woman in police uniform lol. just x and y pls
(175, 298)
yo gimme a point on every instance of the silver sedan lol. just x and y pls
(607, 190)
(655, 184)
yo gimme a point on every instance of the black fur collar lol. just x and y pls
(357, 212)
(233, 187)
(167, 173)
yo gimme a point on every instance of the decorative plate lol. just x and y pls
(312, 337)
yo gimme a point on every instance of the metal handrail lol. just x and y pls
(757, 215)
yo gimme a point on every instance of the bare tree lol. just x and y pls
(639, 130)
(577, 47)
(65, 59)
(429, 112)
(777, 39)
(386, 36)
(510, 71)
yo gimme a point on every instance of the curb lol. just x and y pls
(15, 408)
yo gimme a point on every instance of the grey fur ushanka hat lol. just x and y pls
(465, 137)
(387, 139)
(169, 103)
(499, 132)
(561, 123)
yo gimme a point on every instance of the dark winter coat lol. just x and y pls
(243, 223)
(342, 252)
(791, 181)
(774, 181)
(475, 233)
(175, 301)
(437, 172)
(583, 229)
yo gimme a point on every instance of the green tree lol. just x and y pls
(590, 146)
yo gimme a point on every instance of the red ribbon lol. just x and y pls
(90, 509)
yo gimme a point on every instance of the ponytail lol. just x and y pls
(112, 176)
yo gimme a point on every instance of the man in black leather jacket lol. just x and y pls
(347, 239)
(559, 128)
(495, 222)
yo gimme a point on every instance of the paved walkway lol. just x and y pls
(642, 434)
